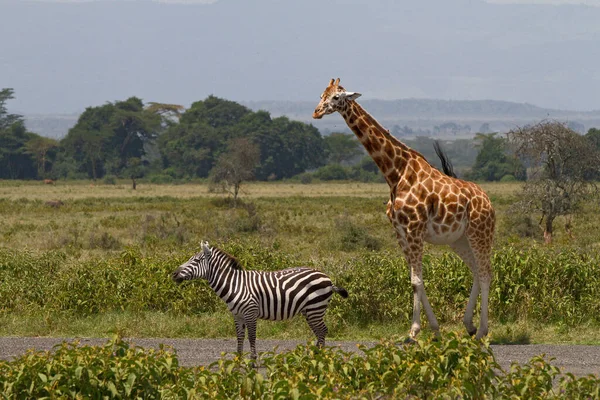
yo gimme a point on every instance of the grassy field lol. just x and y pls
(99, 262)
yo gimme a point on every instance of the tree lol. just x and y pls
(559, 160)
(193, 146)
(342, 148)
(7, 119)
(235, 166)
(169, 113)
(43, 150)
(106, 137)
(216, 112)
(593, 135)
(134, 170)
(493, 161)
(288, 148)
(15, 161)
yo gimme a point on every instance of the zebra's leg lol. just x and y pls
(240, 331)
(251, 325)
(315, 320)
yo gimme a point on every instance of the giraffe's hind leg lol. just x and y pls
(476, 252)
(315, 319)
(463, 249)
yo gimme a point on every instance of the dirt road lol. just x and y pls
(577, 359)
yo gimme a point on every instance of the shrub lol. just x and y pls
(454, 367)
(331, 172)
(508, 178)
(305, 178)
(353, 236)
(538, 284)
(160, 178)
(110, 180)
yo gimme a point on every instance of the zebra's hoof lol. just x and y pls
(409, 340)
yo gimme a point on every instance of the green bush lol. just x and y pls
(454, 367)
(508, 178)
(352, 236)
(331, 172)
(110, 180)
(538, 284)
(161, 178)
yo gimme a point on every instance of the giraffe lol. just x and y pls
(425, 205)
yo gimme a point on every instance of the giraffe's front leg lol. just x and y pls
(412, 246)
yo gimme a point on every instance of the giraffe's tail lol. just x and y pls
(446, 164)
(340, 290)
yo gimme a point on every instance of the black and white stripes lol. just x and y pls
(272, 295)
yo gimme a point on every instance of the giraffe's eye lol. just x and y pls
(336, 97)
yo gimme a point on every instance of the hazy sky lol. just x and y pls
(61, 56)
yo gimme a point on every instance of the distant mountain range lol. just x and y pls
(405, 117)
(439, 118)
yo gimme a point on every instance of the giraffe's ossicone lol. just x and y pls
(426, 205)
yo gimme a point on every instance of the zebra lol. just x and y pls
(270, 295)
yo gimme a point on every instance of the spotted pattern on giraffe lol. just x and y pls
(425, 205)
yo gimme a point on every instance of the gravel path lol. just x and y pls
(577, 359)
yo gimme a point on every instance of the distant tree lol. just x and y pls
(16, 162)
(235, 166)
(193, 146)
(493, 161)
(170, 113)
(288, 148)
(342, 148)
(106, 137)
(593, 135)
(7, 119)
(216, 112)
(43, 150)
(485, 128)
(134, 170)
(559, 160)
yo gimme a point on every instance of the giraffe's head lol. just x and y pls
(334, 98)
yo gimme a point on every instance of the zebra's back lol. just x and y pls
(285, 293)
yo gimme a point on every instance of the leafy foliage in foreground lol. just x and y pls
(451, 368)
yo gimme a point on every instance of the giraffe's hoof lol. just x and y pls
(472, 332)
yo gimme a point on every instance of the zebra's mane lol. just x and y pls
(230, 261)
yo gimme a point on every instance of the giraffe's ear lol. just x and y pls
(352, 95)
(206, 249)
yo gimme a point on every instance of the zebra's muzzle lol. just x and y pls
(177, 278)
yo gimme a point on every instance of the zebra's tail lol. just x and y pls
(340, 290)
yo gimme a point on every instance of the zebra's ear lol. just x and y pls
(206, 249)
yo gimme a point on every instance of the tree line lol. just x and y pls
(163, 142)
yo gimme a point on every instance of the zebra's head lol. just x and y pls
(196, 267)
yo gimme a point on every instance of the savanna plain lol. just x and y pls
(93, 260)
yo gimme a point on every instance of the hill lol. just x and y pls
(439, 118)
(404, 117)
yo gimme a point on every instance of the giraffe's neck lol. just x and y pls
(390, 154)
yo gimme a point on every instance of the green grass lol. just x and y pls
(100, 263)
